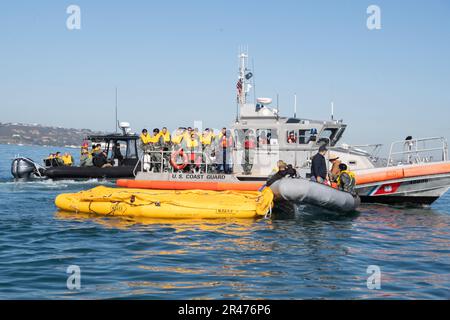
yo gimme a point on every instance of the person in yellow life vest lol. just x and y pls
(58, 159)
(145, 140)
(166, 135)
(86, 158)
(346, 179)
(167, 146)
(178, 137)
(156, 148)
(96, 149)
(206, 138)
(193, 149)
(67, 159)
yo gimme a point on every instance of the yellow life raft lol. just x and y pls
(173, 204)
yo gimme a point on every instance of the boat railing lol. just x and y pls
(159, 162)
(416, 151)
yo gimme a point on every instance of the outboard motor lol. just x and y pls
(22, 168)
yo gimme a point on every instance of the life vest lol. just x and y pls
(155, 138)
(350, 174)
(176, 139)
(249, 144)
(192, 143)
(166, 137)
(67, 160)
(206, 139)
(226, 143)
(145, 139)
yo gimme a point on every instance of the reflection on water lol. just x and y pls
(309, 253)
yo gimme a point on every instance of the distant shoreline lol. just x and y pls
(20, 134)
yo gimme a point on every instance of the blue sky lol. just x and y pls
(176, 61)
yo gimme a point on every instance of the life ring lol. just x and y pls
(173, 160)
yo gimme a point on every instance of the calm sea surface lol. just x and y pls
(308, 255)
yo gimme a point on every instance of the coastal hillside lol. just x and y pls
(35, 134)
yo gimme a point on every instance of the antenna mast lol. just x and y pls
(295, 105)
(332, 110)
(117, 123)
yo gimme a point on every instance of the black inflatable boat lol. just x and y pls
(124, 162)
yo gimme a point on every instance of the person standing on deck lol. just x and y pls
(319, 166)
(146, 148)
(156, 147)
(166, 146)
(249, 151)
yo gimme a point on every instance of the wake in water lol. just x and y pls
(51, 184)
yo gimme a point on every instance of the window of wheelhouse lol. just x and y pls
(266, 137)
(131, 152)
(305, 136)
(327, 135)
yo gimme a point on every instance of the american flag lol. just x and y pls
(239, 87)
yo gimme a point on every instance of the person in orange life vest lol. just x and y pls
(225, 147)
(334, 172)
(249, 151)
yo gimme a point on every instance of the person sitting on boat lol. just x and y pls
(346, 179)
(67, 159)
(57, 160)
(100, 160)
(97, 149)
(86, 159)
(319, 166)
(117, 154)
(284, 170)
(334, 172)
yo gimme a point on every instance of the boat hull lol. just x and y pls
(89, 172)
(412, 184)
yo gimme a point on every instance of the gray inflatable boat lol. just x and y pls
(296, 191)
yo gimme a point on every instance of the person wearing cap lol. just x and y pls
(284, 170)
(335, 162)
(319, 166)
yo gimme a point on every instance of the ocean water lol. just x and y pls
(308, 255)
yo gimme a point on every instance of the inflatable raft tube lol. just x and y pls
(305, 191)
(172, 204)
(185, 185)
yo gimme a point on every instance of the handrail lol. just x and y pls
(413, 149)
